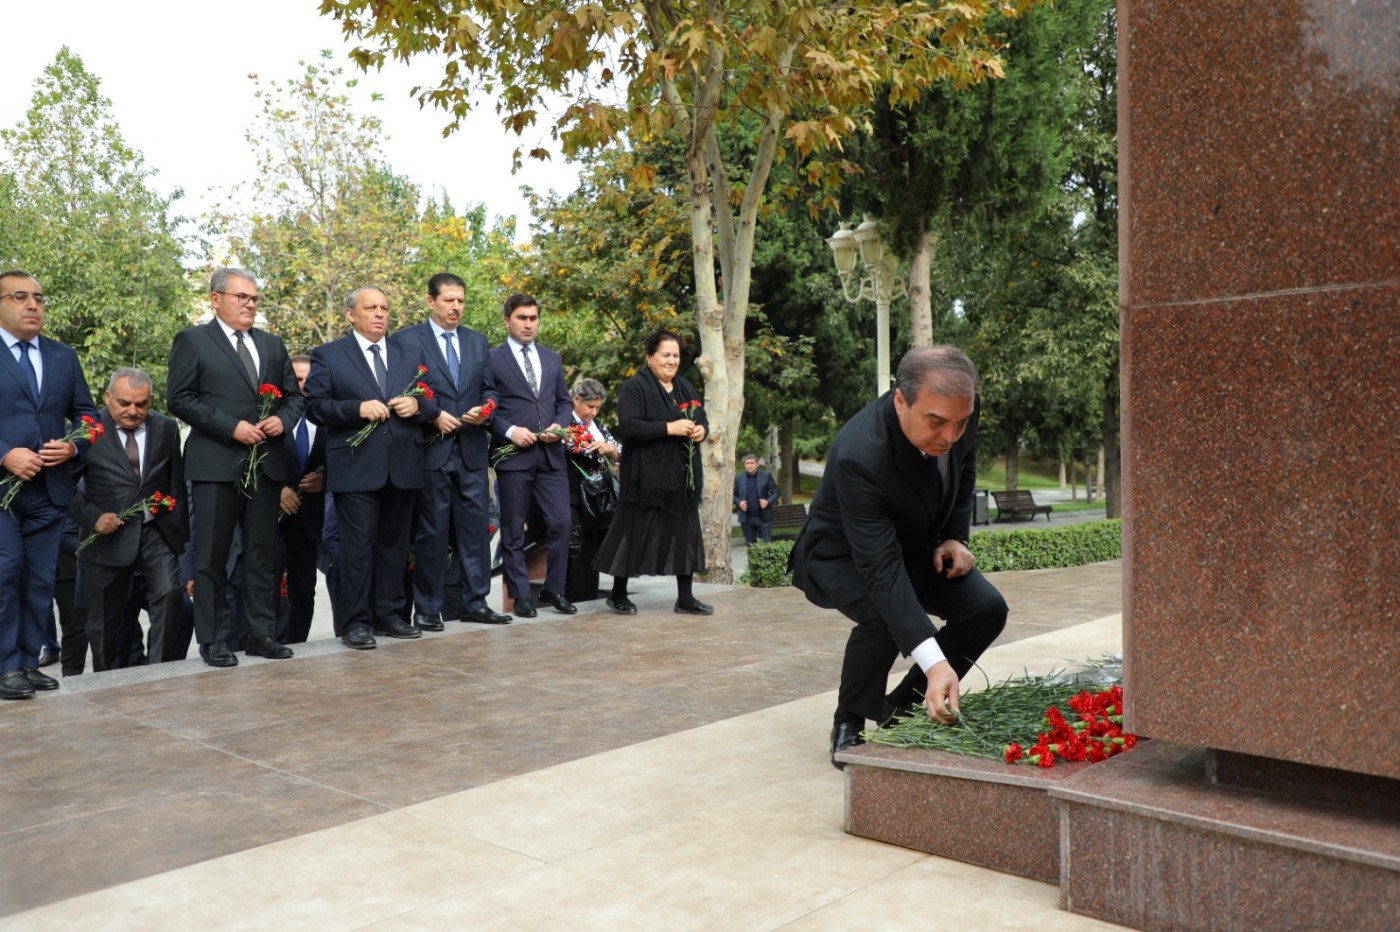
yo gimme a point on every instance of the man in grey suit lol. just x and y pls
(216, 373)
(137, 455)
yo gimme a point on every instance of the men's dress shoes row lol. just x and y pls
(217, 654)
(397, 629)
(694, 607)
(524, 608)
(268, 647)
(560, 603)
(484, 616)
(14, 684)
(844, 736)
(427, 621)
(623, 605)
(358, 637)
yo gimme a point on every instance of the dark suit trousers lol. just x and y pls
(30, 531)
(219, 508)
(756, 526)
(297, 551)
(72, 616)
(455, 499)
(975, 614)
(369, 577)
(550, 490)
(108, 589)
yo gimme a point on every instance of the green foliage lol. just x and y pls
(80, 216)
(768, 565)
(1072, 545)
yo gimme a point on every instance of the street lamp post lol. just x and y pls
(883, 285)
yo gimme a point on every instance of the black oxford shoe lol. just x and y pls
(15, 685)
(560, 603)
(397, 629)
(844, 736)
(427, 621)
(484, 616)
(359, 638)
(40, 680)
(217, 654)
(268, 647)
(524, 608)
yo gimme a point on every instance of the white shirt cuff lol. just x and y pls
(927, 654)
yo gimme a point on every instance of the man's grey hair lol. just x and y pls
(940, 370)
(221, 277)
(354, 296)
(750, 456)
(588, 390)
(136, 377)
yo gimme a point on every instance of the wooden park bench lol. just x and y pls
(789, 516)
(1011, 505)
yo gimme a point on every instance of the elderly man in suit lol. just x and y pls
(754, 492)
(303, 502)
(137, 455)
(453, 503)
(885, 544)
(215, 385)
(42, 394)
(534, 397)
(356, 382)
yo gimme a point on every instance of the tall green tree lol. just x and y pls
(80, 214)
(681, 69)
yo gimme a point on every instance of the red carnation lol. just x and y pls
(1013, 752)
(269, 389)
(423, 387)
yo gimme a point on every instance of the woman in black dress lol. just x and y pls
(656, 531)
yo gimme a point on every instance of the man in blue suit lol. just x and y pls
(453, 503)
(533, 398)
(299, 527)
(42, 393)
(754, 493)
(358, 381)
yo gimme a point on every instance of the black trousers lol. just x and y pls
(107, 589)
(369, 579)
(975, 614)
(220, 508)
(296, 555)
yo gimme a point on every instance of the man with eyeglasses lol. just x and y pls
(215, 385)
(43, 396)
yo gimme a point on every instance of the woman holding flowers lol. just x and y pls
(656, 531)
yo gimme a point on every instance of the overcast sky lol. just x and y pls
(176, 72)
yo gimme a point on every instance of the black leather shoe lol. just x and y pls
(397, 629)
(844, 736)
(268, 647)
(524, 608)
(694, 607)
(217, 654)
(560, 603)
(39, 680)
(48, 658)
(622, 606)
(484, 616)
(15, 685)
(359, 637)
(424, 621)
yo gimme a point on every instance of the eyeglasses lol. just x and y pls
(240, 297)
(22, 297)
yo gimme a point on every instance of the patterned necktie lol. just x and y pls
(28, 368)
(246, 358)
(454, 365)
(303, 444)
(530, 370)
(380, 373)
(133, 453)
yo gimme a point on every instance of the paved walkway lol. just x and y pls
(660, 771)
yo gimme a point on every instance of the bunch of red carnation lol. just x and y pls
(1096, 735)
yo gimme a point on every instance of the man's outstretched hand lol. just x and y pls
(941, 698)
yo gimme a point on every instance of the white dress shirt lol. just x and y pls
(247, 341)
(35, 359)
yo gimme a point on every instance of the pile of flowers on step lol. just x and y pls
(1028, 720)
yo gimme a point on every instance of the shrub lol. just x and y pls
(1072, 545)
(768, 565)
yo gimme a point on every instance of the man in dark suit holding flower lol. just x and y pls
(233, 385)
(42, 394)
(137, 456)
(367, 391)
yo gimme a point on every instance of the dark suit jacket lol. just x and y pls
(767, 488)
(340, 380)
(477, 387)
(313, 504)
(63, 400)
(208, 389)
(110, 485)
(520, 408)
(874, 524)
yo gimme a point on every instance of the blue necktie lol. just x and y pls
(28, 368)
(454, 365)
(303, 444)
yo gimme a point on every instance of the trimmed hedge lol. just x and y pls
(768, 565)
(1071, 545)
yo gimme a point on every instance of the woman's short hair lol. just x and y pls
(653, 342)
(589, 390)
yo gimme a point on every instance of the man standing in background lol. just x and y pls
(754, 493)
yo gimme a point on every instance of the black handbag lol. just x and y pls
(598, 496)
